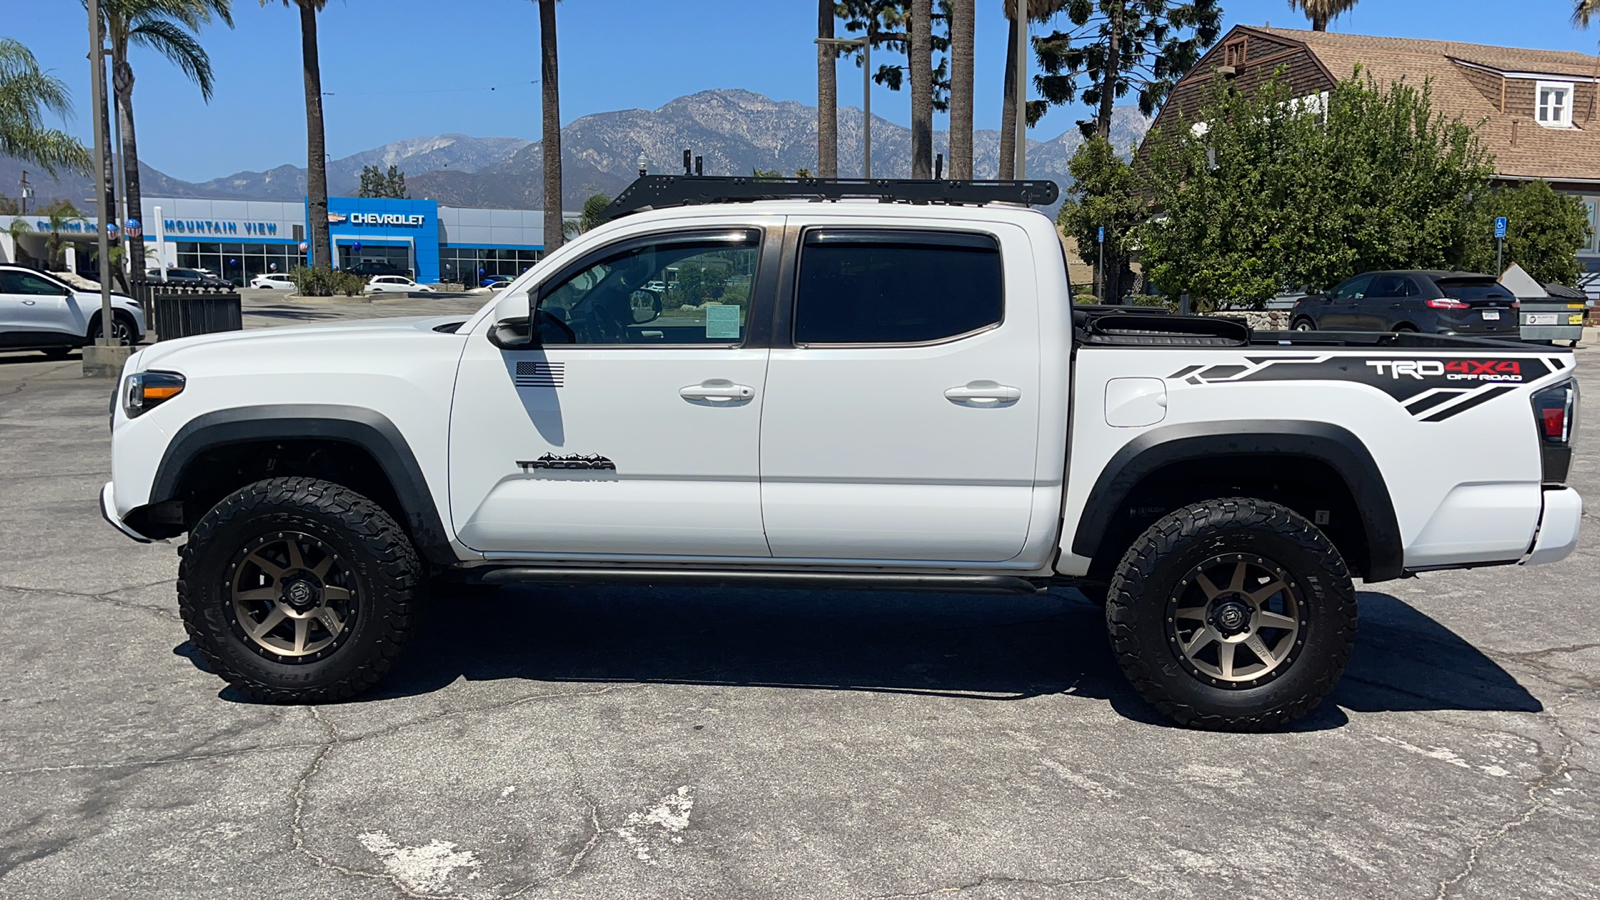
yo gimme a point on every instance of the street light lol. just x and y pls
(865, 43)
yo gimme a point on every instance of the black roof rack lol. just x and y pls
(661, 191)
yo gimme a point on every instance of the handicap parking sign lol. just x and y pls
(1500, 227)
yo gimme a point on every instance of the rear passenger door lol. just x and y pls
(901, 411)
(1344, 304)
(1385, 303)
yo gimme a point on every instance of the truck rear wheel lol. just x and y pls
(297, 590)
(1233, 614)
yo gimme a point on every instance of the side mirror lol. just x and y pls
(645, 306)
(512, 325)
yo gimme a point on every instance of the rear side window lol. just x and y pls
(896, 286)
(1393, 286)
(1474, 290)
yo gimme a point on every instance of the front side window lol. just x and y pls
(1555, 104)
(1354, 289)
(896, 286)
(684, 289)
(23, 283)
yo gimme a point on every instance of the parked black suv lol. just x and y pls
(193, 277)
(1430, 302)
(369, 269)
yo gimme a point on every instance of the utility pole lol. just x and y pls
(105, 357)
(27, 191)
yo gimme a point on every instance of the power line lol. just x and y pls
(473, 90)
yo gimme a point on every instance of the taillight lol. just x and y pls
(1447, 303)
(1555, 411)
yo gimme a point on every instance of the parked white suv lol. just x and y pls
(39, 311)
(868, 395)
(273, 281)
(395, 284)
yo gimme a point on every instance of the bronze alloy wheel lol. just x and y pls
(293, 599)
(1236, 621)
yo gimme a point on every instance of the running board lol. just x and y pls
(832, 581)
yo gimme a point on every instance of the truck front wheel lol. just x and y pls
(297, 590)
(1233, 614)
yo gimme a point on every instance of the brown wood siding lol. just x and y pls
(1583, 104)
(1488, 83)
(1520, 97)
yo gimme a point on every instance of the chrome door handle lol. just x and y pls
(717, 392)
(983, 393)
(29, 302)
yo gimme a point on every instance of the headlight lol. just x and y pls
(143, 390)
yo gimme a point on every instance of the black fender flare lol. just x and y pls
(1330, 444)
(371, 431)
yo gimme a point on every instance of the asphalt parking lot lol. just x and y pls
(715, 743)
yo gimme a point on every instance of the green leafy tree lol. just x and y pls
(396, 181)
(8, 206)
(26, 93)
(168, 27)
(387, 185)
(1116, 47)
(1544, 230)
(594, 210)
(1107, 194)
(1269, 192)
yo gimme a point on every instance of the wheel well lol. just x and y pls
(216, 472)
(1310, 487)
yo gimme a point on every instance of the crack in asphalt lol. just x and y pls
(154, 761)
(1003, 879)
(1535, 804)
(297, 831)
(105, 597)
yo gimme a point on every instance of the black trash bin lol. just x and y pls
(186, 310)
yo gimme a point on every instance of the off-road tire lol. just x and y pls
(380, 559)
(1149, 574)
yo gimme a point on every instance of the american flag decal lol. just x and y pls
(541, 374)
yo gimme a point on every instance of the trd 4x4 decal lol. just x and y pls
(1432, 388)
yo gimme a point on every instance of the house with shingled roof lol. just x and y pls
(1536, 111)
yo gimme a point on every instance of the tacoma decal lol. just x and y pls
(549, 461)
(1432, 388)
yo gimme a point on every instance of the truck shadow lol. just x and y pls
(956, 646)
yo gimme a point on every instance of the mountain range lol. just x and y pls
(734, 131)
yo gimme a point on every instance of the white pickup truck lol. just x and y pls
(859, 394)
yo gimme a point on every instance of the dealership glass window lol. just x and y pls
(239, 263)
(472, 265)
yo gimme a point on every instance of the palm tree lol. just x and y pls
(1321, 11)
(316, 142)
(550, 101)
(1585, 10)
(827, 94)
(919, 57)
(1038, 11)
(962, 59)
(26, 91)
(59, 215)
(164, 26)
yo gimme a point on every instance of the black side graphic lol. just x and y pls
(550, 461)
(541, 374)
(1424, 383)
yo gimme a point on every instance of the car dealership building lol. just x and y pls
(239, 239)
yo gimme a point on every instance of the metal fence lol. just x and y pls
(176, 311)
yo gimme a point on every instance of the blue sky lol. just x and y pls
(407, 68)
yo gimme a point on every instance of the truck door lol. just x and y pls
(901, 414)
(634, 429)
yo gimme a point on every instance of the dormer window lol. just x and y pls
(1554, 107)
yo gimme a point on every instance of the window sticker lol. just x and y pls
(722, 320)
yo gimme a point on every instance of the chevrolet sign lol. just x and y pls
(391, 219)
